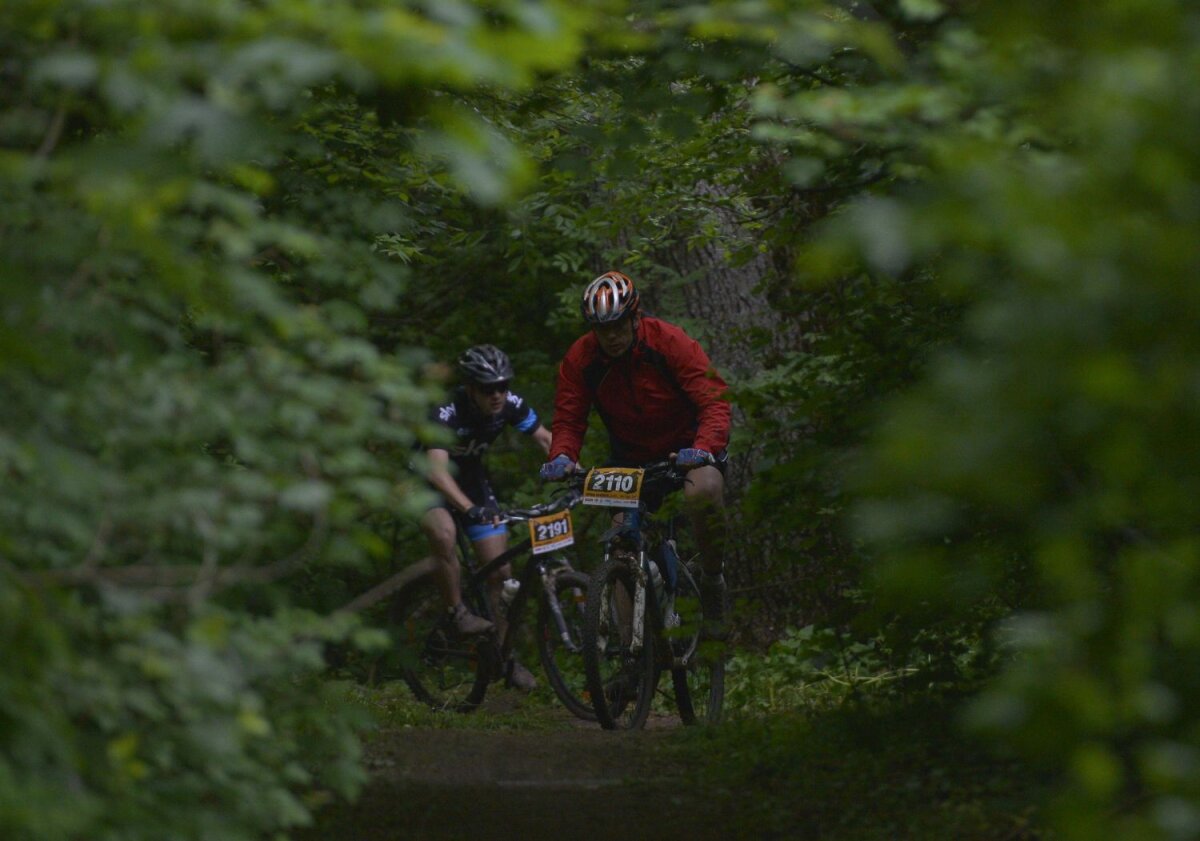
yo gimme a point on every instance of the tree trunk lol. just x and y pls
(720, 295)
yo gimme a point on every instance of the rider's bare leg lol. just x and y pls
(486, 550)
(704, 497)
(439, 529)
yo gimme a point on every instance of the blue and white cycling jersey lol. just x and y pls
(474, 432)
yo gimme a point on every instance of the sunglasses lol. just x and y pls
(493, 388)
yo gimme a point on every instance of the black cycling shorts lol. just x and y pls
(479, 492)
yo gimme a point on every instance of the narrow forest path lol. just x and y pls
(569, 780)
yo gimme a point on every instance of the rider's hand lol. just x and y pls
(480, 515)
(691, 457)
(557, 468)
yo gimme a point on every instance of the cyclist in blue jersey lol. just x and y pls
(476, 413)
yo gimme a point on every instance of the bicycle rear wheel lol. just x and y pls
(442, 668)
(562, 659)
(699, 671)
(620, 679)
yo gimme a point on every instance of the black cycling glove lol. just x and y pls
(480, 515)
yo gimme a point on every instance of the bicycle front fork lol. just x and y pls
(550, 591)
(634, 611)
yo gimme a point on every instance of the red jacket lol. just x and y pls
(660, 396)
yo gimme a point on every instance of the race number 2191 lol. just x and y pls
(551, 532)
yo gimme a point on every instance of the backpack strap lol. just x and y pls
(659, 361)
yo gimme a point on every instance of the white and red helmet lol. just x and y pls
(609, 298)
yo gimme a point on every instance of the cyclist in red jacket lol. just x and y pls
(659, 397)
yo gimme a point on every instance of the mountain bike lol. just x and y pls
(451, 672)
(644, 613)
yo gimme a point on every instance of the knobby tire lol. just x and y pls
(620, 682)
(700, 685)
(564, 668)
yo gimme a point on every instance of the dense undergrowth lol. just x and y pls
(864, 771)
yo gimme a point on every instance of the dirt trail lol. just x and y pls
(569, 782)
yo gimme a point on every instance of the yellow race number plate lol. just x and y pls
(619, 487)
(551, 532)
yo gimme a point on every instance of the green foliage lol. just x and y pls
(810, 669)
(1045, 465)
(202, 231)
(240, 240)
(147, 726)
(1027, 170)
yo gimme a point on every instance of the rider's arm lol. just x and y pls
(543, 437)
(440, 478)
(705, 388)
(572, 402)
(524, 418)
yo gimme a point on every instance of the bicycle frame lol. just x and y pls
(451, 670)
(538, 569)
(638, 625)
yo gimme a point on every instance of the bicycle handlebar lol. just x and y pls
(521, 515)
(664, 471)
(658, 471)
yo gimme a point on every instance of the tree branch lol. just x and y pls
(386, 588)
(53, 134)
(192, 583)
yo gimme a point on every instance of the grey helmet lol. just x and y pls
(484, 365)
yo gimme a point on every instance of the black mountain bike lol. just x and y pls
(451, 672)
(644, 613)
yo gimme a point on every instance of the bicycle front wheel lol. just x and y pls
(620, 674)
(561, 648)
(698, 664)
(443, 669)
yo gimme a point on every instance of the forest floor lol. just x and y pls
(559, 778)
(523, 768)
